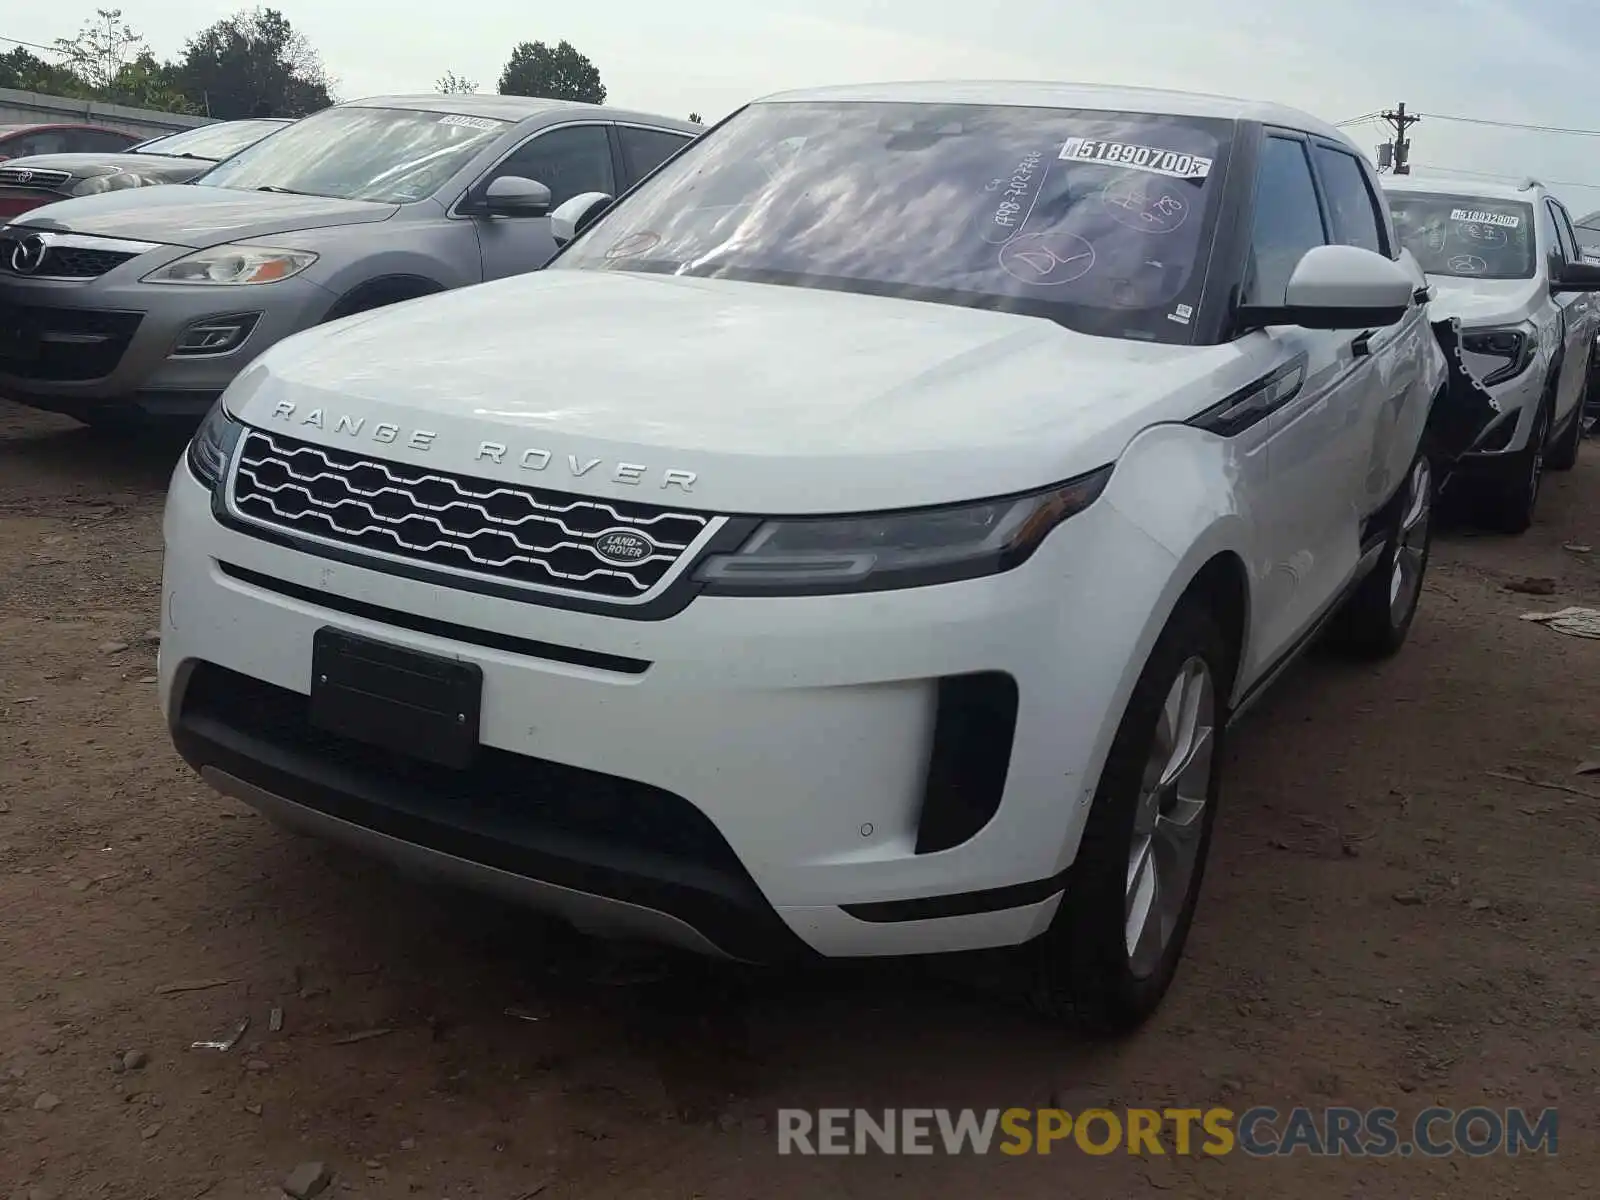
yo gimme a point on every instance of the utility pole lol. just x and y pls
(1402, 121)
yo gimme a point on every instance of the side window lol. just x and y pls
(99, 140)
(1287, 220)
(643, 150)
(47, 141)
(1570, 245)
(1350, 204)
(1550, 234)
(569, 161)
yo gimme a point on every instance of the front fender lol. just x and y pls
(1191, 492)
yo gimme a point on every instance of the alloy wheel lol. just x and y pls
(1405, 577)
(1170, 817)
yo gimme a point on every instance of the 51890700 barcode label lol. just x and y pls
(1176, 163)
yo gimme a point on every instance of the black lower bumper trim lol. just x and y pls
(510, 813)
(959, 904)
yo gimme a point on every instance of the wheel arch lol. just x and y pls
(382, 290)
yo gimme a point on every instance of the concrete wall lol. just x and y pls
(35, 108)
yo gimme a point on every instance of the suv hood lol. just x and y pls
(198, 217)
(777, 399)
(1479, 302)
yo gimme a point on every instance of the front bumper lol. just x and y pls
(134, 327)
(1507, 434)
(748, 775)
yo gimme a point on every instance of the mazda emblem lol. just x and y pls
(27, 256)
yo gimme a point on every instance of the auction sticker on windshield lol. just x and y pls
(1473, 216)
(1176, 163)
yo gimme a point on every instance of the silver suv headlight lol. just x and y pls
(812, 556)
(233, 265)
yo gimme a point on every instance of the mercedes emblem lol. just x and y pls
(27, 255)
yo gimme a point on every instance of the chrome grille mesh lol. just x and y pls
(512, 532)
(32, 177)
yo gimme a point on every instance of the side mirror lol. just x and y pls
(514, 196)
(1577, 277)
(577, 214)
(1339, 287)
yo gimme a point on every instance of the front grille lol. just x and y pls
(64, 262)
(508, 532)
(63, 344)
(32, 177)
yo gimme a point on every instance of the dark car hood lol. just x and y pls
(150, 168)
(200, 216)
(157, 168)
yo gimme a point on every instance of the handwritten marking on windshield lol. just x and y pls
(1047, 260)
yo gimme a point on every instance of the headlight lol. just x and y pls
(810, 556)
(212, 445)
(1515, 347)
(233, 264)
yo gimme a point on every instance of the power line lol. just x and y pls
(1512, 125)
(1508, 178)
(31, 45)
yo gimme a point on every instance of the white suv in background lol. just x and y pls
(1505, 261)
(858, 541)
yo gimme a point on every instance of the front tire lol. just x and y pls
(1376, 619)
(1512, 504)
(1112, 951)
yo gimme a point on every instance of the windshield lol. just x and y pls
(1099, 220)
(391, 155)
(1466, 237)
(214, 142)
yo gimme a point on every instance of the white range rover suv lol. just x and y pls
(856, 542)
(1504, 261)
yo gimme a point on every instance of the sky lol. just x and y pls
(1485, 59)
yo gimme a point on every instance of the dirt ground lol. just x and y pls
(1388, 920)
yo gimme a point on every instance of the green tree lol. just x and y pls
(27, 72)
(254, 63)
(451, 84)
(559, 73)
(146, 83)
(102, 48)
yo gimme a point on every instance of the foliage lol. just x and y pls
(103, 47)
(451, 84)
(253, 64)
(146, 83)
(696, 118)
(559, 73)
(27, 72)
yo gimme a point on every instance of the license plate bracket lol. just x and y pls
(420, 705)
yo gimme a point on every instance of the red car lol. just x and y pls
(17, 140)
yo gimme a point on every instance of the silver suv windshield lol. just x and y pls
(1466, 237)
(391, 155)
(1099, 220)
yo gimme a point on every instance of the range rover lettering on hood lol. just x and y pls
(530, 458)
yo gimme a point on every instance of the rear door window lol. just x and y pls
(643, 150)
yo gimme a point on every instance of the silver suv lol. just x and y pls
(148, 302)
(1500, 259)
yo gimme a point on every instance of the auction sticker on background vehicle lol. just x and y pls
(1177, 163)
(1475, 217)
